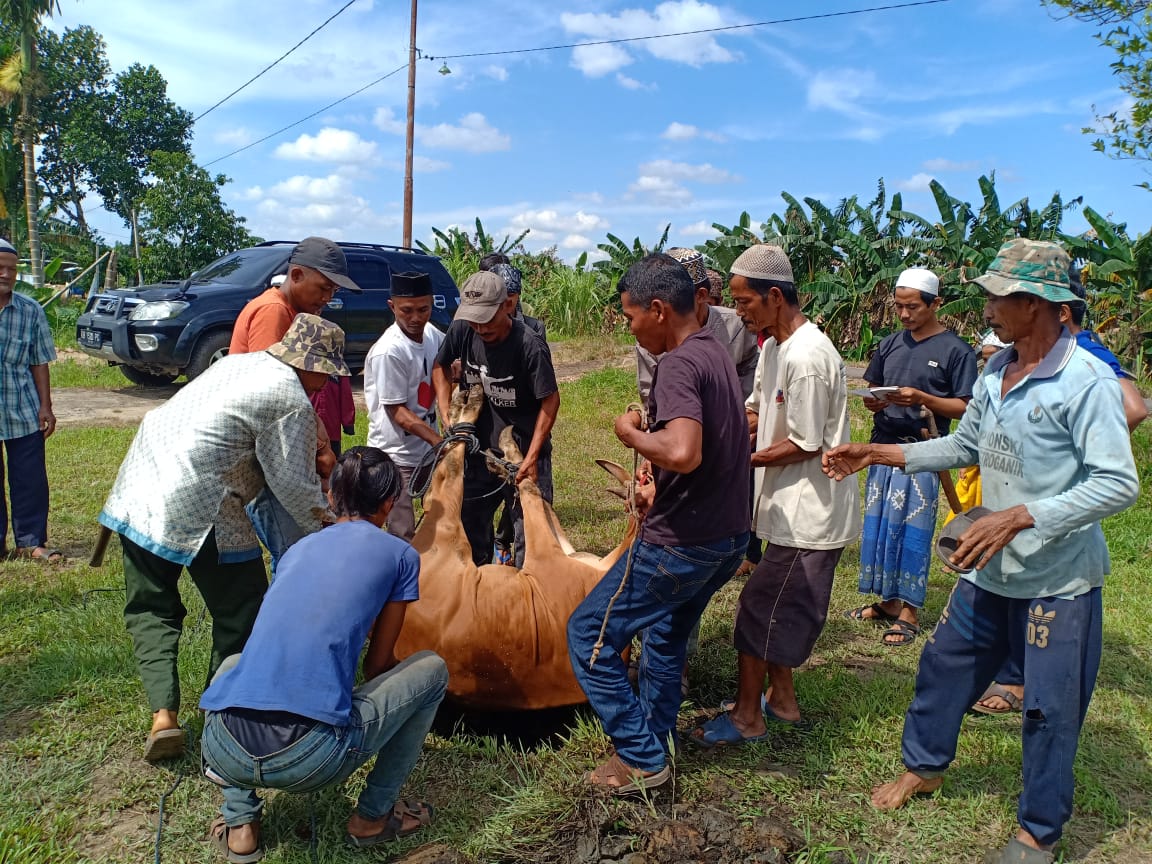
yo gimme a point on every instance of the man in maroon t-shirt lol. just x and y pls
(694, 531)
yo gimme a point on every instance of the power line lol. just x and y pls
(729, 27)
(425, 56)
(277, 60)
(309, 117)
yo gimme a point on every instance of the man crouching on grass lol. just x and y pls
(693, 536)
(1047, 426)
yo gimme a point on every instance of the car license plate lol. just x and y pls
(91, 338)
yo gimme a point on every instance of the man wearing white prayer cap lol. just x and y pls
(922, 365)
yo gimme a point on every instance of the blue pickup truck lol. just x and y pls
(155, 333)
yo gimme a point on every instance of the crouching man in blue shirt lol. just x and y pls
(1047, 427)
(284, 714)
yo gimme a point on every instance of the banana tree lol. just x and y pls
(1118, 272)
(621, 256)
(23, 16)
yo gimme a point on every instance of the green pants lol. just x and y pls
(154, 614)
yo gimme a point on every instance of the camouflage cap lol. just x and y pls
(312, 345)
(1029, 267)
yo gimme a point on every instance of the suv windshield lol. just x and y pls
(246, 267)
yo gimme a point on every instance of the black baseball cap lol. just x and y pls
(324, 256)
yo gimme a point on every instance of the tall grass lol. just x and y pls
(573, 303)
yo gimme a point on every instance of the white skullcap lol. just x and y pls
(5, 246)
(919, 279)
(764, 261)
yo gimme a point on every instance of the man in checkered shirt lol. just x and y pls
(244, 425)
(26, 418)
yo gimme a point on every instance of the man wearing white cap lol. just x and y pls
(922, 366)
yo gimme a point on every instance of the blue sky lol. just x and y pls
(625, 138)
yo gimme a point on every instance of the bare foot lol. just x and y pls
(164, 719)
(896, 794)
(244, 839)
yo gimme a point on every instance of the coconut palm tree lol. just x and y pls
(23, 16)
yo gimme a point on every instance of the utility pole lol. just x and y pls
(408, 138)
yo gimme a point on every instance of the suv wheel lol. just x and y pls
(147, 379)
(211, 347)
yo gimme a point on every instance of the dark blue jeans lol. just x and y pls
(667, 591)
(28, 489)
(1062, 644)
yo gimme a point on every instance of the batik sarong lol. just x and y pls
(899, 521)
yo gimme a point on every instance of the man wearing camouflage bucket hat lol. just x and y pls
(178, 502)
(1047, 427)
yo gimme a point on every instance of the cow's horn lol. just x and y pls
(616, 470)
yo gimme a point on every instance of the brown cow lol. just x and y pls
(502, 631)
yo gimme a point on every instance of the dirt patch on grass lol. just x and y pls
(18, 723)
(110, 827)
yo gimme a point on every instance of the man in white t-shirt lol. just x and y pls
(798, 409)
(398, 388)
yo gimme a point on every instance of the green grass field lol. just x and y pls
(73, 719)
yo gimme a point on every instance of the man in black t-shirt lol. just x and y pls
(514, 368)
(694, 531)
(924, 365)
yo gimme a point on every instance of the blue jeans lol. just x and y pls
(391, 715)
(276, 529)
(1062, 644)
(666, 594)
(28, 488)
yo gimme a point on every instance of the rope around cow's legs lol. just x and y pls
(635, 406)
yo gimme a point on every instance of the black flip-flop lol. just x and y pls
(879, 614)
(906, 630)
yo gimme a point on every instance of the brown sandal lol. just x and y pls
(394, 829)
(622, 779)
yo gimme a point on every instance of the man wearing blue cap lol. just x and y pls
(26, 418)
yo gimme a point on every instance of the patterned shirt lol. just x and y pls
(25, 341)
(196, 461)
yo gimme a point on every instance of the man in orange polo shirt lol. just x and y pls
(316, 268)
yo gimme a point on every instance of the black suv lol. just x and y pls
(155, 333)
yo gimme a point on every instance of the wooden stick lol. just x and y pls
(101, 546)
(946, 481)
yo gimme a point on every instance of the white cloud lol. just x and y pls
(842, 90)
(703, 228)
(302, 205)
(473, 134)
(499, 73)
(576, 241)
(238, 137)
(943, 165)
(598, 60)
(659, 190)
(632, 84)
(686, 132)
(550, 225)
(916, 183)
(952, 120)
(672, 16)
(329, 145)
(704, 173)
